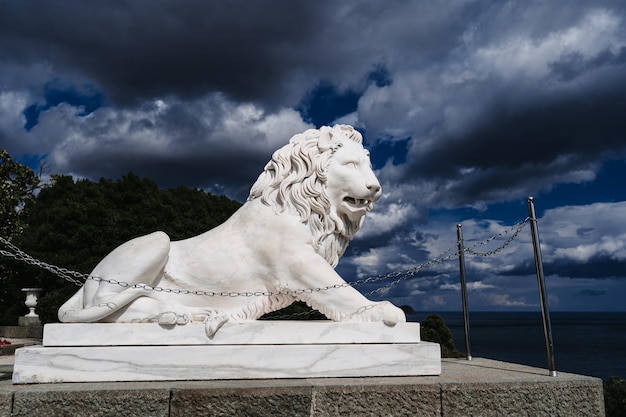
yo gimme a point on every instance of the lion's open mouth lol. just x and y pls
(357, 202)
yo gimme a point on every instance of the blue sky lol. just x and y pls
(468, 107)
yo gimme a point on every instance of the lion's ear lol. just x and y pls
(324, 141)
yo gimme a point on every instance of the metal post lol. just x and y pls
(547, 328)
(459, 235)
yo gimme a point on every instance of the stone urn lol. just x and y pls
(31, 300)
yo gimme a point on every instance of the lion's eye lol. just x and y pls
(351, 164)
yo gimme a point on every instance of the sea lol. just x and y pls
(585, 343)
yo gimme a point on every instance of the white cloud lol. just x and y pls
(12, 103)
(416, 291)
(369, 260)
(611, 246)
(279, 127)
(581, 233)
(13, 137)
(433, 301)
(523, 56)
(351, 119)
(391, 216)
(112, 141)
(571, 233)
(470, 286)
(504, 300)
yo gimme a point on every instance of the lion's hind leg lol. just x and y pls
(122, 277)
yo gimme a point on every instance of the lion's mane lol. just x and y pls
(294, 182)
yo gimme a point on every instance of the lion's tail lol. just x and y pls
(73, 311)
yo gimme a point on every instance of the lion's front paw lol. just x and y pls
(382, 311)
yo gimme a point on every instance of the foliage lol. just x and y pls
(434, 329)
(74, 224)
(18, 184)
(615, 397)
(296, 311)
(408, 310)
(17, 187)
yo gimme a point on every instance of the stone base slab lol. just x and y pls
(480, 387)
(174, 363)
(252, 350)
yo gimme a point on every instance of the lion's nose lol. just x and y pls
(374, 189)
(372, 184)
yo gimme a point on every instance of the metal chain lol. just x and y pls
(79, 278)
(72, 275)
(517, 227)
(19, 255)
(445, 256)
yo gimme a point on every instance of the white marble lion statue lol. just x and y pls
(281, 246)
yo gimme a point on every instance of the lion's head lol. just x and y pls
(323, 176)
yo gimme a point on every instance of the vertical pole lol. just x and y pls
(459, 236)
(547, 328)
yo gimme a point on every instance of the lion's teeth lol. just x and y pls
(357, 201)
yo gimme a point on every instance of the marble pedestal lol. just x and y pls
(101, 352)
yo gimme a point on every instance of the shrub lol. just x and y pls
(434, 329)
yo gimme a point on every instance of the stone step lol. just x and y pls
(21, 332)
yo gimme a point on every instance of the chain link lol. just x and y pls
(76, 278)
(517, 227)
(445, 256)
(79, 278)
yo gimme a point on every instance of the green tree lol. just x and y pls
(17, 187)
(434, 329)
(74, 224)
(18, 184)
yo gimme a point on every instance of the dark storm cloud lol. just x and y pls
(143, 49)
(537, 134)
(599, 267)
(499, 99)
(514, 115)
(522, 151)
(588, 292)
(210, 169)
(250, 51)
(573, 65)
